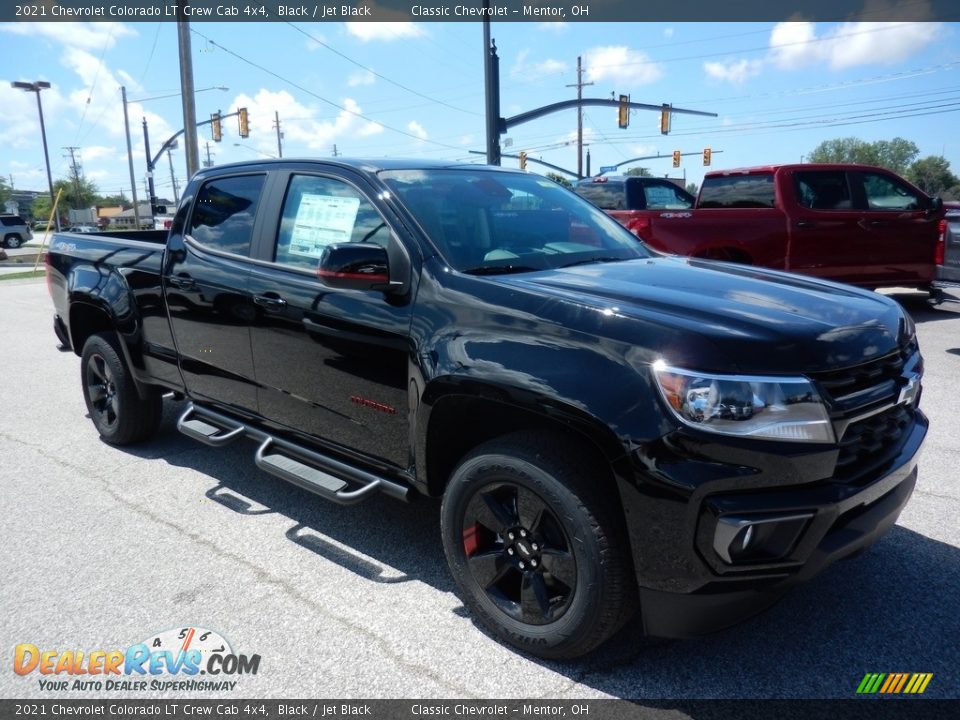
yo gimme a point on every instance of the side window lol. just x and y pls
(321, 211)
(823, 190)
(737, 191)
(605, 195)
(665, 196)
(884, 193)
(224, 211)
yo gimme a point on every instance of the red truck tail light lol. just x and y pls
(940, 251)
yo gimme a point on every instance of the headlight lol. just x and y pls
(773, 408)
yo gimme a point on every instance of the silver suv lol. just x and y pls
(14, 231)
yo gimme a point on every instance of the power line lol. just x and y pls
(376, 74)
(320, 97)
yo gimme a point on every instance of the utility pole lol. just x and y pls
(579, 85)
(190, 147)
(75, 174)
(276, 124)
(173, 178)
(133, 180)
(150, 186)
(335, 153)
(209, 161)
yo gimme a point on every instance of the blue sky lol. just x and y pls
(416, 89)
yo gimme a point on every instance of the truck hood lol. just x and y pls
(726, 317)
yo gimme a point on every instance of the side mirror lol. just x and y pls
(355, 266)
(936, 204)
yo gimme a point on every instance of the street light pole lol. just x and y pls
(36, 87)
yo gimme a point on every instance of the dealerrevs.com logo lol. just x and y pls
(172, 660)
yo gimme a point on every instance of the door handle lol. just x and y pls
(270, 302)
(182, 282)
(806, 224)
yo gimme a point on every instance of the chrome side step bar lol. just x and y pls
(323, 475)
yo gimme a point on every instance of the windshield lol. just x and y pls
(486, 222)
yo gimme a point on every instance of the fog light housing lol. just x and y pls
(758, 538)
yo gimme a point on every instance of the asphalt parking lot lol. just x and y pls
(101, 548)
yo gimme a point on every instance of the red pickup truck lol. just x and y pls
(850, 223)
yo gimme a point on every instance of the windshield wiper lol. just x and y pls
(500, 269)
(590, 261)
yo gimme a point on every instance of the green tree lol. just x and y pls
(639, 172)
(80, 194)
(4, 191)
(932, 175)
(692, 188)
(895, 155)
(113, 201)
(558, 178)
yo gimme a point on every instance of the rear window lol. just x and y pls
(605, 195)
(224, 212)
(10, 220)
(738, 191)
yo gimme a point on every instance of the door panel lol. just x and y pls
(826, 236)
(206, 286)
(330, 363)
(901, 234)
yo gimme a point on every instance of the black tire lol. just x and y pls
(118, 412)
(12, 241)
(535, 541)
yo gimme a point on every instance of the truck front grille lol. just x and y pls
(869, 442)
(870, 391)
(840, 385)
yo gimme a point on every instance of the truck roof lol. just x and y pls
(791, 166)
(363, 164)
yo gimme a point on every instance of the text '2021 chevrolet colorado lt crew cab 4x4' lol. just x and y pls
(609, 429)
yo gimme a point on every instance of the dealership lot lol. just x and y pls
(102, 548)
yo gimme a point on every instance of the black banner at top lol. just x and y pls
(476, 10)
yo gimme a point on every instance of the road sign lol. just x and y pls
(607, 168)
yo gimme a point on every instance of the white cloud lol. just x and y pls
(362, 77)
(367, 31)
(88, 36)
(795, 45)
(417, 129)
(621, 66)
(302, 125)
(558, 27)
(668, 32)
(522, 68)
(735, 72)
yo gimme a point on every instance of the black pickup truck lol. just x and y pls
(609, 428)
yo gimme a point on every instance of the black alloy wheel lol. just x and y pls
(519, 553)
(535, 540)
(121, 414)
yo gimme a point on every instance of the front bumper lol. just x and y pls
(707, 591)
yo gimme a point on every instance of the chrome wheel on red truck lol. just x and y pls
(536, 550)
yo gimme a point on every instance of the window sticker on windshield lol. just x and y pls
(322, 220)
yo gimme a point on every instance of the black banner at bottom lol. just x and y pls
(860, 709)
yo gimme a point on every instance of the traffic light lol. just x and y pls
(215, 128)
(706, 156)
(244, 122)
(623, 112)
(665, 119)
(676, 158)
(523, 159)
